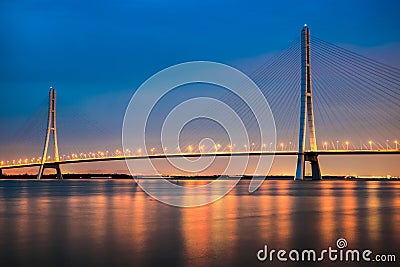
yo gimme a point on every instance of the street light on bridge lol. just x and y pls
(347, 145)
(217, 147)
(229, 147)
(370, 144)
(325, 145)
(396, 143)
(264, 147)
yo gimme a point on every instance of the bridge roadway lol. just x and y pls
(208, 154)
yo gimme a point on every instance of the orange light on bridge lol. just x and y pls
(217, 146)
(347, 145)
(370, 144)
(282, 145)
(396, 143)
(118, 152)
(201, 148)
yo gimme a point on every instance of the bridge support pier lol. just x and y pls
(55, 166)
(311, 157)
(315, 170)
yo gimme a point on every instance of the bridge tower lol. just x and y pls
(306, 114)
(51, 128)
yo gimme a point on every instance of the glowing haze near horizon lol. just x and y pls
(96, 53)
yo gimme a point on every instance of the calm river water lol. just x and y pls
(114, 223)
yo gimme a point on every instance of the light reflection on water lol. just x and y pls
(114, 223)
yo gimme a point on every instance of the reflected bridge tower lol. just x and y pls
(306, 114)
(51, 128)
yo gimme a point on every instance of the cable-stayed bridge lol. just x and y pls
(346, 104)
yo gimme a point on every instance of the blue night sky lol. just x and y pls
(97, 52)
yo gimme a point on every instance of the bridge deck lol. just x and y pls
(211, 154)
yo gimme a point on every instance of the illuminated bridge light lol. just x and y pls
(201, 148)
(217, 147)
(264, 147)
(229, 147)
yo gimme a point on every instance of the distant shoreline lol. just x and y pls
(103, 176)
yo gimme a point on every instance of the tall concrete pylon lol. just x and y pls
(306, 114)
(51, 128)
